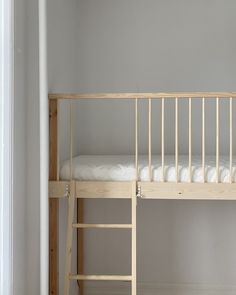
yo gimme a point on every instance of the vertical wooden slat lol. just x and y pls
(58, 140)
(71, 140)
(176, 141)
(133, 242)
(80, 212)
(80, 243)
(69, 238)
(190, 139)
(230, 139)
(217, 139)
(136, 139)
(163, 138)
(150, 138)
(203, 139)
(53, 203)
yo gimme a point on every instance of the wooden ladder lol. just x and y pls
(71, 225)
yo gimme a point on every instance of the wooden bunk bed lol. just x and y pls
(217, 188)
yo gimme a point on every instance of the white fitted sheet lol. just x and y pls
(122, 168)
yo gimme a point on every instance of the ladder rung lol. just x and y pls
(100, 278)
(95, 225)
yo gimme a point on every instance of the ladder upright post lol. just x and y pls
(53, 202)
(133, 258)
(71, 206)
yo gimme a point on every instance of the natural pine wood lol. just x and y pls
(203, 139)
(134, 240)
(163, 138)
(230, 138)
(58, 189)
(140, 95)
(97, 225)
(127, 190)
(70, 226)
(100, 278)
(150, 138)
(188, 191)
(71, 124)
(69, 238)
(176, 140)
(217, 140)
(136, 138)
(190, 139)
(80, 243)
(53, 202)
(103, 189)
(91, 189)
(58, 141)
(162, 190)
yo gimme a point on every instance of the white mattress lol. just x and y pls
(122, 168)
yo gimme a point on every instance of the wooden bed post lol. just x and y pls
(80, 243)
(53, 203)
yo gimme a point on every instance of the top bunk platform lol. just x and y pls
(159, 177)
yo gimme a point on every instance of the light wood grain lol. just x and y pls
(71, 121)
(217, 139)
(80, 243)
(188, 191)
(203, 139)
(58, 141)
(136, 138)
(176, 140)
(58, 189)
(134, 95)
(106, 226)
(53, 203)
(92, 189)
(230, 139)
(100, 278)
(70, 218)
(150, 138)
(190, 140)
(163, 138)
(104, 189)
(134, 239)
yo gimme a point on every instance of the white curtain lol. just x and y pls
(6, 107)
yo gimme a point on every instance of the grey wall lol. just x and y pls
(26, 151)
(151, 46)
(19, 184)
(147, 46)
(32, 148)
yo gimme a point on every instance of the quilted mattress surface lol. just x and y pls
(122, 168)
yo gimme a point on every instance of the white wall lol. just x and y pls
(138, 46)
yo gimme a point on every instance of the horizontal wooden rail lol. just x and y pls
(92, 189)
(103, 189)
(100, 278)
(188, 191)
(140, 95)
(96, 225)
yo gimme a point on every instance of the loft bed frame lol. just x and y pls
(76, 190)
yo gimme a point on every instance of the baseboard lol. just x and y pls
(160, 289)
